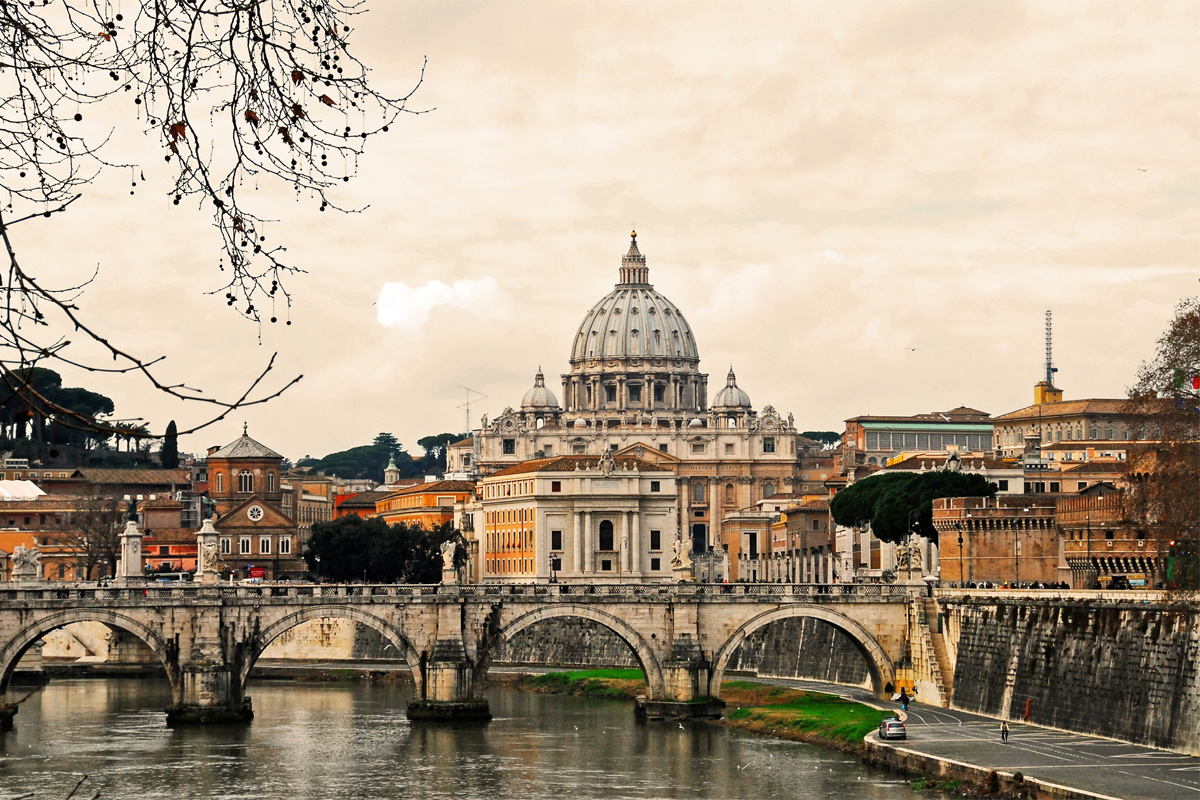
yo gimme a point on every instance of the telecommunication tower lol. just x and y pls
(467, 405)
(1050, 368)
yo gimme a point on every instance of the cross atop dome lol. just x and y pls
(633, 265)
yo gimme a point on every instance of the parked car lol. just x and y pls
(892, 728)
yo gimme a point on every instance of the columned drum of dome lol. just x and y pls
(634, 355)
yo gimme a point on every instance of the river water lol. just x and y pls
(332, 741)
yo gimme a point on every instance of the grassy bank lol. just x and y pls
(611, 683)
(794, 714)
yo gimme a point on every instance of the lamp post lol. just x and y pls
(961, 577)
(552, 566)
(317, 558)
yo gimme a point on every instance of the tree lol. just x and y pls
(1164, 475)
(387, 441)
(365, 461)
(824, 437)
(887, 500)
(93, 534)
(353, 548)
(435, 449)
(230, 94)
(168, 455)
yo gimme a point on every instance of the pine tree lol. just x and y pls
(169, 454)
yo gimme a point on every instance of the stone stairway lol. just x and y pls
(945, 670)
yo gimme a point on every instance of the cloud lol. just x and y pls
(403, 306)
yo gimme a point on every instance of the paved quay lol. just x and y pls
(1103, 767)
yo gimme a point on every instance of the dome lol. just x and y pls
(731, 396)
(580, 423)
(633, 320)
(539, 396)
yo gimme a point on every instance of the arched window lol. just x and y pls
(729, 494)
(698, 492)
(245, 481)
(768, 490)
(606, 535)
(270, 481)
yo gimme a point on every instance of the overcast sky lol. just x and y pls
(861, 207)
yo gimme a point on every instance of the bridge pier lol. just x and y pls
(448, 675)
(209, 694)
(7, 713)
(686, 673)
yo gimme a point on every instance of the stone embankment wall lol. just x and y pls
(1121, 669)
(566, 643)
(331, 639)
(802, 647)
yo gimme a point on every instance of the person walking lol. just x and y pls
(1003, 732)
(903, 701)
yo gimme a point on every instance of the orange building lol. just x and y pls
(426, 504)
(356, 504)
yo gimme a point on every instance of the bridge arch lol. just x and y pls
(382, 627)
(13, 649)
(879, 666)
(655, 686)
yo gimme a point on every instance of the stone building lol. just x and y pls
(426, 505)
(635, 389)
(258, 539)
(586, 518)
(997, 540)
(1101, 546)
(874, 440)
(1106, 425)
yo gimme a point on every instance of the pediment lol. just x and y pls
(647, 453)
(240, 516)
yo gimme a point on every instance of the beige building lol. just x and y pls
(580, 517)
(635, 389)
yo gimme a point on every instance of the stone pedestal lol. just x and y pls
(208, 697)
(26, 567)
(448, 685)
(685, 673)
(207, 542)
(129, 568)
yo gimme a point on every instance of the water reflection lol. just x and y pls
(334, 741)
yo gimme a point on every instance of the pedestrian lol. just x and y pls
(903, 700)
(1003, 732)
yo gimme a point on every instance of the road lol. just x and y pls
(1102, 766)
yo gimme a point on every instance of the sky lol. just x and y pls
(861, 207)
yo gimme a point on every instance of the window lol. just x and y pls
(610, 393)
(606, 565)
(768, 490)
(1080, 486)
(729, 494)
(656, 486)
(1054, 486)
(245, 481)
(697, 447)
(729, 448)
(579, 448)
(655, 565)
(264, 545)
(635, 394)
(220, 481)
(164, 550)
(556, 486)
(1002, 485)
(612, 448)
(606, 535)
(658, 387)
(244, 545)
(285, 545)
(697, 492)
(662, 447)
(270, 481)
(510, 447)
(768, 444)
(556, 540)
(226, 546)
(656, 540)
(816, 525)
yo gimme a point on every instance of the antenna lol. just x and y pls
(1050, 368)
(467, 405)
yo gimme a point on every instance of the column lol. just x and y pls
(577, 544)
(714, 514)
(621, 399)
(589, 547)
(635, 539)
(626, 551)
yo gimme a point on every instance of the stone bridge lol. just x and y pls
(208, 637)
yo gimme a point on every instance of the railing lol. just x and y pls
(405, 592)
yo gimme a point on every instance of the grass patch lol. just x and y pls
(613, 683)
(930, 785)
(799, 714)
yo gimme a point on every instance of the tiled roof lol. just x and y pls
(571, 463)
(467, 440)
(433, 486)
(245, 447)
(1068, 408)
(363, 500)
(1101, 467)
(960, 414)
(147, 477)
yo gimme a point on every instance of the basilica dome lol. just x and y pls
(731, 396)
(539, 396)
(634, 321)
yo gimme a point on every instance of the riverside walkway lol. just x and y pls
(1104, 768)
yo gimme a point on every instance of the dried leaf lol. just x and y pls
(251, 117)
(297, 111)
(178, 130)
(287, 137)
(326, 99)
(104, 36)
(297, 76)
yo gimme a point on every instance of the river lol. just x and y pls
(331, 741)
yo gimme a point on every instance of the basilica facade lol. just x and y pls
(635, 390)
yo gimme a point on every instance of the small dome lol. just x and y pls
(539, 396)
(579, 423)
(731, 396)
(696, 423)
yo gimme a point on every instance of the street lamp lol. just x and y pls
(552, 565)
(317, 558)
(958, 525)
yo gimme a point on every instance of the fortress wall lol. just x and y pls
(1122, 669)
